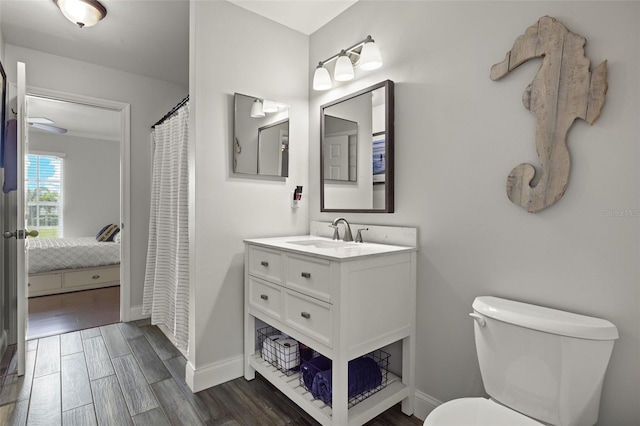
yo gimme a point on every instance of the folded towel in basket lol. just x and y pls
(364, 375)
(310, 368)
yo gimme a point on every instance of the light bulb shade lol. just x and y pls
(321, 79)
(344, 69)
(256, 109)
(370, 58)
(83, 13)
(269, 106)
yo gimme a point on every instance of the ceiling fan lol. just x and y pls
(45, 124)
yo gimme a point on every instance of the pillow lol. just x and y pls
(108, 233)
(116, 239)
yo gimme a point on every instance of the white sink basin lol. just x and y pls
(339, 248)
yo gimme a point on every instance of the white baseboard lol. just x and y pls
(424, 404)
(214, 374)
(136, 313)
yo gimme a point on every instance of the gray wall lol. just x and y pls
(91, 180)
(149, 98)
(269, 61)
(459, 134)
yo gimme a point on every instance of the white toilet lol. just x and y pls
(539, 366)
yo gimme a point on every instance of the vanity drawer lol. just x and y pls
(309, 276)
(266, 264)
(310, 316)
(92, 276)
(265, 297)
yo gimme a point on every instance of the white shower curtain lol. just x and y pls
(166, 283)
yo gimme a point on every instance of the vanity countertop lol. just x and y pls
(327, 248)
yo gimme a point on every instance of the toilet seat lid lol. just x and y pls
(476, 412)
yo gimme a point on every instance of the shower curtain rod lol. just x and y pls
(173, 111)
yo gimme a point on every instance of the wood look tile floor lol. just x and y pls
(130, 374)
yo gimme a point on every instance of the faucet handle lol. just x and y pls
(359, 235)
(336, 233)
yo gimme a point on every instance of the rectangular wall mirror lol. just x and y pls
(260, 136)
(356, 151)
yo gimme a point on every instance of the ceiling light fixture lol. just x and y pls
(364, 54)
(83, 13)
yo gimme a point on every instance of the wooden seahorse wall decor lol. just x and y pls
(564, 89)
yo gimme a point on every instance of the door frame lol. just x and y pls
(125, 181)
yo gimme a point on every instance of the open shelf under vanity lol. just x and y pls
(394, 392)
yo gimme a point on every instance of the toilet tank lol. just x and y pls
(545, 363)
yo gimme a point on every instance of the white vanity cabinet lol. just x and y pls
(343, 304)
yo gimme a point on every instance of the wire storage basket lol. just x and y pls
(280, 350)
(367, 375)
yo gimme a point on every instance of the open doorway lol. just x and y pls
(77, 186)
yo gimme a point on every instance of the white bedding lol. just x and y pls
(50, 254)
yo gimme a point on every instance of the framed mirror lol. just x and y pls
(356, 152)
(260, 136)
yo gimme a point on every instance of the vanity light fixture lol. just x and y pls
(83, 13)
(269, 106)
(256, 109)
(344, 68)
(321, 78)
(364, 54)
(370, 58)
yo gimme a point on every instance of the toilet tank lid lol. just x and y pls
(545, 319)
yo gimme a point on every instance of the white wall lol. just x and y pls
(149, 98)
(233, 50)
(458, 135)
(91, 180)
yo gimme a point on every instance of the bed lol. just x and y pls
(60, 265)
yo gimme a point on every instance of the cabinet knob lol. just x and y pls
(264, 263)
(306, 274)
(95, 277)
(264, 297)
(306, 315)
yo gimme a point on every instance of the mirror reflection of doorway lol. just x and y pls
(73, 192)
(340, 149)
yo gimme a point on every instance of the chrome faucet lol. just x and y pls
(347, 229)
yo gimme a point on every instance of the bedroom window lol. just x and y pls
(44, 194)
